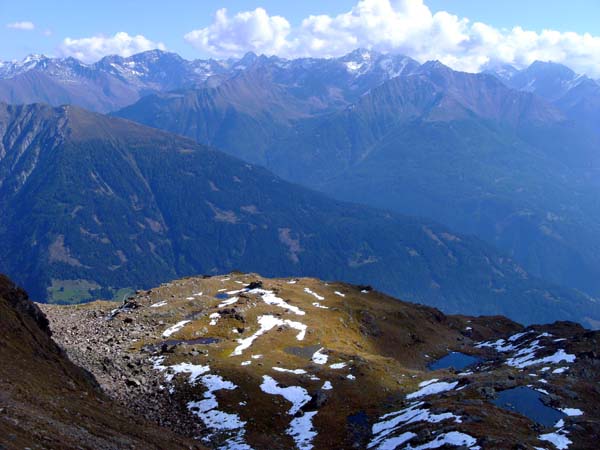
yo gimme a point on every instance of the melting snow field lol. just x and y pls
(314, 294)
(271, 299)
(207, 409)
(525, 357)
(228, 302)
(195, 371)
(432, 387)
(389, 433)
(453, 438)
(319, 358)
(302, 431)
(526, 352)
(301, 428)
(296, 395)
(214, 318)
(393, 430)
(572, 412)
(337, 366)
(175, 328)
(158, 304)
(294, 371)
(267, 323)
(558, 439)
(392, 422)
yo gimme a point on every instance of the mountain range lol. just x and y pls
(479, 153)
(471, 151)
(115, 82)
(98, 206)
(255, 216)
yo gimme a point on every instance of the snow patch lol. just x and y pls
(572, 412)
(314, 294)
(271, 299)
(195, 370)
(432, 388)
(338, 365)
(296, 395)
(301, 428)
(216, 420)
(319, 358)
(267, 323)
(524, 358)
(302, 431)
(294, 371)
(558, 439)
(214, 318)
(158, 304)
(393, 422)
(453, 438)
(228, 302)
(175, 328)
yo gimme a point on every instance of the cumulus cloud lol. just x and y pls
(246, 31)
(92, 49)
(24, 25)
(399, 26)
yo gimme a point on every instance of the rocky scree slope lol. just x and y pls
(298, 363)
(47, 402)
(94, 205)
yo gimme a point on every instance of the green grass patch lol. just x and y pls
(71, 291)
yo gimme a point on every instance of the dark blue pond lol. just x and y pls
(455, 360)
(528, 402)
(222, 296)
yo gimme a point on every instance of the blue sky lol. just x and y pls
(160, 23)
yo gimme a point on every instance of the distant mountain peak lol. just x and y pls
(435, 65)
(502, 71)
(361, 54)
(248, 58)
(550, 68)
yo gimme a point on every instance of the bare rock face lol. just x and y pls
(18, 299)
(241, 361)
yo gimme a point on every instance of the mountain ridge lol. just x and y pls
(128, 206)
(507, 150)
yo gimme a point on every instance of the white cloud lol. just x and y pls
(250, 30)
(400, 26)
(92, 49)
(24, 25)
